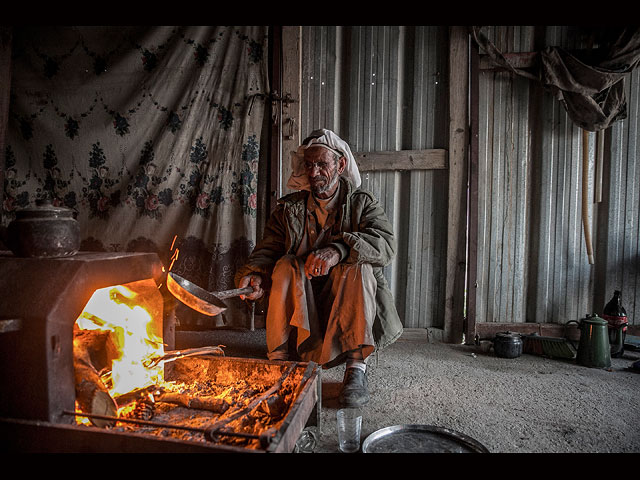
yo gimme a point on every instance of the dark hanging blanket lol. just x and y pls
(589, 83)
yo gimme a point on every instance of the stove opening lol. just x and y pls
(127, 382)
(117, 346)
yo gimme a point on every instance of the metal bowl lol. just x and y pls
(420, 439)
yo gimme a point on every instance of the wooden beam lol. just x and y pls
(521, 60)
(458, 162)
(488, 330)
(432, 159)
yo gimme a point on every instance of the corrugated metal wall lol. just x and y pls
(385, 88)
(502, 190)
(621, 226)
(531, 259)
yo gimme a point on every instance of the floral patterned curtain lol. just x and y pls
(151, 134)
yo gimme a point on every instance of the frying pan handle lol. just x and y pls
(233, 293)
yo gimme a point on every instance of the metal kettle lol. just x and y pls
(594, 350)
(507, 345)
(43, 231)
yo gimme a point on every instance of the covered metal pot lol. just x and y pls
(507, 345)
(43, 231)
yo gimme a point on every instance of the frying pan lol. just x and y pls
(199, 299)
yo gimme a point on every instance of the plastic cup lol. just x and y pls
(349, 427)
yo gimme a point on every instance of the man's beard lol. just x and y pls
(325, 186)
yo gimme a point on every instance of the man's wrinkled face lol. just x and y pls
(323, 168)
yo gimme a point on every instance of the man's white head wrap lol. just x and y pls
(327, 139)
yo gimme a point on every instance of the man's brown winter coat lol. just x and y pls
(362, 234)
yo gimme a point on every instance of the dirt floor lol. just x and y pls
(529, 404)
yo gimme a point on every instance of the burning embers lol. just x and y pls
(231, 408)
(121, 384)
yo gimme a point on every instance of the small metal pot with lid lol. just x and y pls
(507, 345)
(44, 231)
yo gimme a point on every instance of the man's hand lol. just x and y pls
(255, 281)
(319, 262)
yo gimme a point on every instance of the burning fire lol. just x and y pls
(119, 363)
(117, 310)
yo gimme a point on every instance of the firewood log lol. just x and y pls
(91, 393)
(275, 406)
(92, 345)
(210, 403)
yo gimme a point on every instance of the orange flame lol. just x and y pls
(115, 309)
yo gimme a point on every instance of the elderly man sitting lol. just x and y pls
(321, 259)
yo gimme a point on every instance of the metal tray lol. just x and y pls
(420, 439)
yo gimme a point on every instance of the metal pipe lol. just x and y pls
(160, 425)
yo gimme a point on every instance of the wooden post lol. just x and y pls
(275, 111)
(458, 150)
(291, 87)
(472, 233)
(5, 87)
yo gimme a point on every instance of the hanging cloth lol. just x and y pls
(589, 84)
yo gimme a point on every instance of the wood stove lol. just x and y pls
(41, 300)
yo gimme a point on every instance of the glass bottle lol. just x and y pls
(615, 314)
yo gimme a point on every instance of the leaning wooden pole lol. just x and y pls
(456, 262)
(585, 195)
